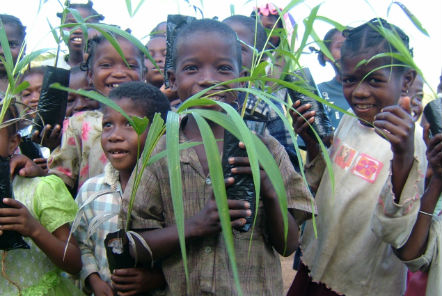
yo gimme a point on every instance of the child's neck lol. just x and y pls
(75, 58)
(124, 178)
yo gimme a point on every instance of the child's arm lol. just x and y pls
(164, 241)
(300, 125)
(275, 225)
(135, 281)
(417, 242)
(18, 218)
(396, 125)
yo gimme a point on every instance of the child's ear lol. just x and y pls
(89, 78)
(14, 141)
(172, 79)
(408, 79)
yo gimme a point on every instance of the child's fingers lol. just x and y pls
(405, 103)
(12, 203)
(238, 222)
(238, 204)
(237, 214)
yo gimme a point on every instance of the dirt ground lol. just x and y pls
(288, 274)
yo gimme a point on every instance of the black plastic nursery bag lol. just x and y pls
(174, 23)
(9, 240)
(52, 103)
(304, 79)
(29, 148)
(117, 251)
(433, 114)
(243, 188)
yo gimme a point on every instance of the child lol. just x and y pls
(157, 49)
(207, 52)
(78, 103)
(31, 95)
(76, 43)
(253, 36)
(388, 161)
(41, 211)
(80, 155)
(332, 90)
(119, 142)
(421, 250)
(15, 32)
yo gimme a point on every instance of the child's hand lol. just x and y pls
(42, 163)
(25, 167)
(98, 286)
(18, 218)
(207, 221)
(397, 126)
(300, 124)
(434, 155)
(132, 281)
(50, 137)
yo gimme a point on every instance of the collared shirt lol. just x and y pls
(80, 155)
(98, 198)
(259, 270)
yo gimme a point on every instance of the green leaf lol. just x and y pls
(219, 190)
(24, 85)
(27, 59)
(411, 16)
(129, 7)
(138, 7)
(140, 124)
(173, 162)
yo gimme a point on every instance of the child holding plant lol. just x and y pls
(375, 156)
(15, 32)
(41, 211)
(80, 155)
(206, 52)
(120, 144)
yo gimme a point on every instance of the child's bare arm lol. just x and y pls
(301, 126)
(396, 125)
(18, 218)
(417, 242)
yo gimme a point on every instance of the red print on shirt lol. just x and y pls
(367, 168)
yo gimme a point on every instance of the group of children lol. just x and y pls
(372, 224)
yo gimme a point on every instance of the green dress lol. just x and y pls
(48, 200)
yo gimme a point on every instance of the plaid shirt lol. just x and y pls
(105, 190)
(275, 126)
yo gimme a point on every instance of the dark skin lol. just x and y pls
(164, 242)
(417, 242)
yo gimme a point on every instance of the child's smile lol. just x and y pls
(368, 88)
(205, 60)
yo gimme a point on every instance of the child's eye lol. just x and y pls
(226, 68)
(348, 80)
(107, 124)
(105, 65)
(25, 94)
(190, 68)
(13, 44)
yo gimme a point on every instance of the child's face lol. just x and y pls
(109, 70)
(202, 61)
(76, 42)
(368, 92)
(8, 144)
(246, 36)
(118, 139)
(157, 49)
(31, 95)
(268, 22)
(78, 103)
(15, 42)
(335, 46)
